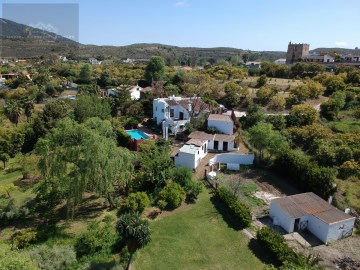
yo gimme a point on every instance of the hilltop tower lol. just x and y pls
(296, 52)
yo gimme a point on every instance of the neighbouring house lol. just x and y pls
(174, 112)
(135, 91)
(223, 123)
(309, 211)
(253, 64)
(351, 58)
(94, 61)
(316, 58)
(191, 154)
(216, 142)
(280, 61)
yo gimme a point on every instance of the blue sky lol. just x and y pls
(252, 24)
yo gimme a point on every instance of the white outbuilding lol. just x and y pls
(223, 123)
(191, 154)
(309, 211)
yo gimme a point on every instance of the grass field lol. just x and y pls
(196, 237)
(282, 84)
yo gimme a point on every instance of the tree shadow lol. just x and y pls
(226, 215)
(261, 253)
(102, 265)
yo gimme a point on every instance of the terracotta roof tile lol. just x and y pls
(196, 142)
(224, 137)
(201, 135)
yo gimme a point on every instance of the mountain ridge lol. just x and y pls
(16, 41)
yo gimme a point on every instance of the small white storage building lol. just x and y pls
(309, 211)
(222, 122)
(191, 154)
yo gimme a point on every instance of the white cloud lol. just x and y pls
(180, 3)
(341, 43)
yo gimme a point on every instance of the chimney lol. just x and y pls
(330, 199)
(347, 211)
(189, 107)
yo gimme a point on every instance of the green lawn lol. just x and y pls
(345, 125)
(196, 237)
(20, 195)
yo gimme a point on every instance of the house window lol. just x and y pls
(156, 109)
(172, 112)
(162, 110)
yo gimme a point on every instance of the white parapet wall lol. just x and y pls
(242, 159)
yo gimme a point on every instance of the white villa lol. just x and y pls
(174, 112)
(309, 211)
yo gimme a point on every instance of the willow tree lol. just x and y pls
(81, 157)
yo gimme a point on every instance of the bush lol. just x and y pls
(183, 176)
(297, 166)
(23, 238)
(53, 258)
(15, 260)
(97, 239)
(173, 195)
(275, 244)
(137, 202)
(238, 208)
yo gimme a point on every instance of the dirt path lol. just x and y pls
(204, 166)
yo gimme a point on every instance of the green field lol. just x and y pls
(196, 237)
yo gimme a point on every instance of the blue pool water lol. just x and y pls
(137, 134)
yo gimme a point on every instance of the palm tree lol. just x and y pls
(135, 231)
(13, 111)
(28, 105)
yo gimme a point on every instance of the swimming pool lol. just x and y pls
(137, 134)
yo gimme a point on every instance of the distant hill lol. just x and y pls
(337, 50)
(22, 41)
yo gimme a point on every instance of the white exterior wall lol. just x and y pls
(233, 167)
(221, 146)
(328, 59)
(177, 109)
(242, 159)
(336, 232)
(281, 218)
(135, 92)
(191, 160)
(318, 228)
(222, 126)
(185, 160)
(159, 110)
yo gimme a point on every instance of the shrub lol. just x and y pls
(53, 258)
(183, 176)
(212, 130)
(15, 260)
(275, 244)
(238, 208)
(138, 201)
(97, 239)
(297, 166)
(349, 168)
(23, 238)
(173, 195)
